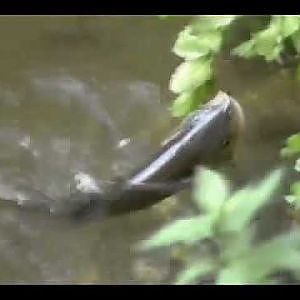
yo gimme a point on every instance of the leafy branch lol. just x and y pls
(226, 221)
(200, 43)
(270, 42)
(219, 243)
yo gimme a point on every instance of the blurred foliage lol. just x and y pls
(219, 244)
(271, 41)
(292, 149)
(226, 226)
(292, 146)
(201, 41)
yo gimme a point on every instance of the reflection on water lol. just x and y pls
(89, 95)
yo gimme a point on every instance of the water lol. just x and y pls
(90, 95)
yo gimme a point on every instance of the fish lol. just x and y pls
(207, 137)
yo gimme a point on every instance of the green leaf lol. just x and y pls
(246, 49)
(237, 243)
(186, 230)
(210, 191)
(296, 40)
(274, 54)
(190, 46)
(289, 25)
(211, 40)
(211, 23)
(297, 165)
(292, 146)
(195, 272)
(190, 75)
(266, 41)
(187, 102)
(294, 199)
(280, 253)
(183, 104)
(241, 207)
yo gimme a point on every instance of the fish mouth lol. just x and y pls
(237, 115)
(229, 126)
(221, 104)
(238, 123)
(221, 98)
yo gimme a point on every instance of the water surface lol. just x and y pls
(90, 94)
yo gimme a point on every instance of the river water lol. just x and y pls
(90, 95)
